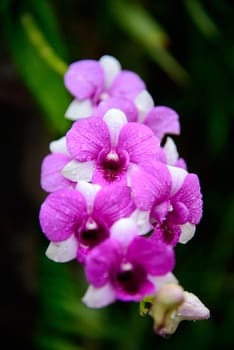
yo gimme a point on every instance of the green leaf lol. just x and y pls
(39, 67)
(145, 30)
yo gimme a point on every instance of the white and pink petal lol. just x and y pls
(59, 146)
(99, 297)
(187, 232)
(79, 109)
(124, 231)
(63, 251)
(79, 171)
(89, 192)
(51, 176)
(115, 119)
(144, 103)
(111, 68)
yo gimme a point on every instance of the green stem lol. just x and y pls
(201, 18)
(39, 42)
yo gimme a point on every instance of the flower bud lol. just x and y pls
(172, 305)
(164, 306)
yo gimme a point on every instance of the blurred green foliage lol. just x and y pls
(185, 52)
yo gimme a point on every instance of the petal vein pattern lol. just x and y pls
(140, 143)
(87, 138)
(60, 214)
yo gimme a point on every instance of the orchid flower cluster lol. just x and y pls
(120, 197)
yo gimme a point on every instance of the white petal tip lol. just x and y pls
(187, 232)
(78, 171)
(79, 109)
(144, 103)
(171, 151)
(141, 218)
(124, 230)
(111, 67)
(59, 146)
(193, 308)
(62, 251)
(99, 297)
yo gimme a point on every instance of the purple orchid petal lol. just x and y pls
(102, 259)
(140, 143)
(156, 257)
(179, 214)
(127, 84)
(99, 297)
(51, 177)
(61, 213)
(87, 138)
(85, 79)
(172, 155)
(190, 195)
(163, 120)
(112, 203)
(121, 103)
(159, 212)
(181, 163)
(150, 185)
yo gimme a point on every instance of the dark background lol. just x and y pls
(40, 301)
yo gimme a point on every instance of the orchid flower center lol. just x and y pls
(92, 233)
(130, 277)
(113, 164)
(103, 96)
(168, 232)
